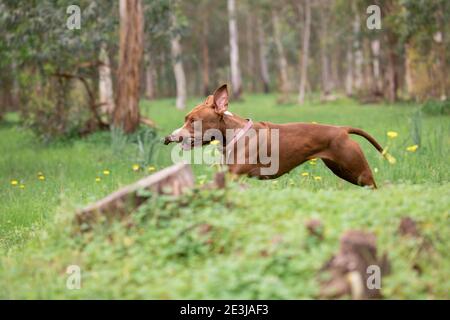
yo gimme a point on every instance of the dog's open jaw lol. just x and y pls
(187, 142)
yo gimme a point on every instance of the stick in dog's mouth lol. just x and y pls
(186, 142)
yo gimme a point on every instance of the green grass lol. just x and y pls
(159, 259)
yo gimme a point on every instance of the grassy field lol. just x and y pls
(255, 246)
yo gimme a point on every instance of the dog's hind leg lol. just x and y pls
(363, 179)
(348, 162)
(339, 171)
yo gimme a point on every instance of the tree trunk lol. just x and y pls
(126, 113)
(335, 73)
(105, 84)
(358, 55)
(409, 79)
(264, 69)
(305, 53)
(164, 68)
(250, 52)
(9, 88)
(15, 86)
(205, 54)
(325, 62)
(391, 40)
(443, 68)
(150, 75)
(375, 47)
(441, 48)
(236, 79)
(325, 72)
(349, 73)
(178, 70)
(282, 62)
(391, 73)
(391, 77)
(368, 71)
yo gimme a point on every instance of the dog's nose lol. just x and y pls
(167, 140)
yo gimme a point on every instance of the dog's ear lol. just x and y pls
(209, 101)
(221, 99)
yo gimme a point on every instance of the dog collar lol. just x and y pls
(239, 134)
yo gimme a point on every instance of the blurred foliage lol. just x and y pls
(35, 33)
(37, 39)
(224, 244)
(436, 108)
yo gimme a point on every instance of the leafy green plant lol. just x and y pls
(119, 139)
(147, 145)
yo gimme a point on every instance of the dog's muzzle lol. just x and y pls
(187, 143)
(170, 138)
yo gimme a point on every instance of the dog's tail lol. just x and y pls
(364, 134)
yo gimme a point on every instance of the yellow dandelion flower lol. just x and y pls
(305, 174)
(317, 178)
(314, 122)
(135, 167)
(412, 148)
(106, 172)
(390, 158)
(392, 134)
(22, 186)
(215, 142)
(14, 182)
(98, 179)
(151, 169)
(41, 177)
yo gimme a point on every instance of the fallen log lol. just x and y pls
(172, 180)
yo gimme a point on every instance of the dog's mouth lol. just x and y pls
(187, 143)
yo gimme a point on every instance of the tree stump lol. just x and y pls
(349, 268)
(172, 180)
(408, 227)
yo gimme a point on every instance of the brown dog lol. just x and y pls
(297, 142)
